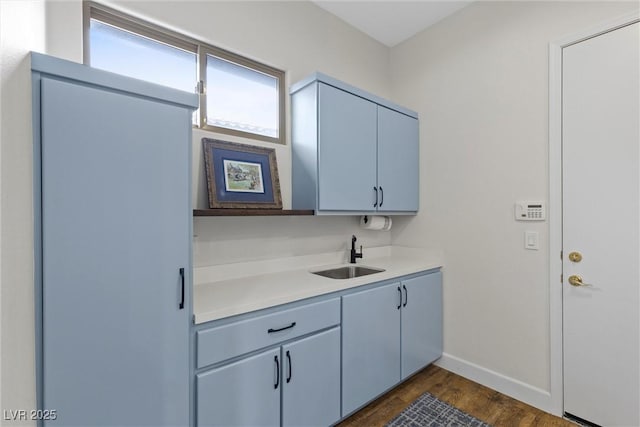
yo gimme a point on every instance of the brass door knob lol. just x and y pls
(575, 257)
(576, 280)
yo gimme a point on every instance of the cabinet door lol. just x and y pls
(421, 322)
(311, 380)
(115, 232)
(398, 161)
(346, 151)
(244, 393)
(370, 345)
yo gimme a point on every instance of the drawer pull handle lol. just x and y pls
(275, 359)
(271, 330)
(289, 362)
(375, 205)
(400, 301)
(406, 296)
(381, 196)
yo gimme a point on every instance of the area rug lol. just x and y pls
(427, 410)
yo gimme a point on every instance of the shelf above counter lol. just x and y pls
(252, 212)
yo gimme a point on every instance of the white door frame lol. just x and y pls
(555, 197)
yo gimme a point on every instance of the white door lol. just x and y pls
(601, 188)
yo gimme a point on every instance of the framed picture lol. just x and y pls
(241, 176)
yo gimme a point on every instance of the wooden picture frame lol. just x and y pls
(241, 176)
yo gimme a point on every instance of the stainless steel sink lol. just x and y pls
(348, 272)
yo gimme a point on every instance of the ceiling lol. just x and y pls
(391, 21)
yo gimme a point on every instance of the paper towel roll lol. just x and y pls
(372, 222)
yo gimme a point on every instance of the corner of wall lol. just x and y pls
(479, 80)
(22, 29)
(64, 31)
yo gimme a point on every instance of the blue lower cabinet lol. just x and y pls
(370, 344)
(311, 380)
(326, 369)
(297, 384)
(243, 393)
(388, 334)
(421, 322)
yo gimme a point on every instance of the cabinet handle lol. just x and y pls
(271, 330)
(400, 302)
(289, 362)
(381, 196)
(406, 296)
(375, 205)
(275, 359)
(181, 305)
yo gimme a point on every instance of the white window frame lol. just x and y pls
(92, 10)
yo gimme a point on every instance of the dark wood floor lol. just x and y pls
(483, 403)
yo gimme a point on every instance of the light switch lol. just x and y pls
(531, 240)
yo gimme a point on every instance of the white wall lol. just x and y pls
(21, 30)
(479, 80)
(298, 37)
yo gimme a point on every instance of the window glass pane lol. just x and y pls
(240, 98)
(122, 52)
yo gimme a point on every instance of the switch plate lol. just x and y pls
(531, 240)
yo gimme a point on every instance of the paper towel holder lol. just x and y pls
(373, 222)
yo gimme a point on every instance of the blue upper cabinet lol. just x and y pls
(352, 152)
(398, 163)
(346, 150)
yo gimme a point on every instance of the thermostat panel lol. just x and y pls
(530, 211)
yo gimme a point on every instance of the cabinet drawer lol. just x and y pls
(224, 342)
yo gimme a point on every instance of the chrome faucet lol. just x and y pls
(354, 254)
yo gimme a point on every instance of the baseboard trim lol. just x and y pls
(526, 393)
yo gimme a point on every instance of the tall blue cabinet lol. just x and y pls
(113, 246)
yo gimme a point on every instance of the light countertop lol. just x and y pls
(227, 290)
